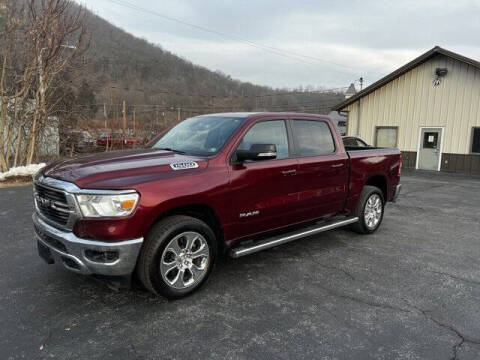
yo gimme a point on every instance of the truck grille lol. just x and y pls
(52, 204)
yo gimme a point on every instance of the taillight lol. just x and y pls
(399, 166)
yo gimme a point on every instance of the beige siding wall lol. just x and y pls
(411, 101)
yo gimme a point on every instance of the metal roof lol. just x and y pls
(407, 67)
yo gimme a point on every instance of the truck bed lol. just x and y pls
(357, 148)
(366, 163)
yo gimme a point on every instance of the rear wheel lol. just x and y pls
(369, 210)
(177, 257)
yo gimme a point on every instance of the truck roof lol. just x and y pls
(255, 113)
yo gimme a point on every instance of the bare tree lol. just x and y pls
(41, 41)
(58, 38)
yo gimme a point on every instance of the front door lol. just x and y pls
(263, 196)
(429, 150)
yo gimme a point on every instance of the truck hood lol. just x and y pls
(124, 169)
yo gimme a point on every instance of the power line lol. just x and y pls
(271, 49)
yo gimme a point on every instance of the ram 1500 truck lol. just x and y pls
(233, 183)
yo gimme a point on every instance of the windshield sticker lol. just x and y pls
(184, 165)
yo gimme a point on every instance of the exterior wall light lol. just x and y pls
(439, 74)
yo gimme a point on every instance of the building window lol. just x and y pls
(476, 140)
(386, 136)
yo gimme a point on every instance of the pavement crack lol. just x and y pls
(462, 337)
(334, 268)
(455, 277)
(348, 274)
(363, 301)
(352, 298)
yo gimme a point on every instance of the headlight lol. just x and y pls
(107, 205)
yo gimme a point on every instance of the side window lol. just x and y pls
(267, 132)
(313, 137)
(361, 143)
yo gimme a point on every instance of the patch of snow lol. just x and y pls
(28, 170)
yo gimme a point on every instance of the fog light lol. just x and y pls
(70, 263)
(101, 256)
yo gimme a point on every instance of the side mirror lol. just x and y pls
(258, 152)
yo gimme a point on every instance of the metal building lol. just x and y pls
(428, 108)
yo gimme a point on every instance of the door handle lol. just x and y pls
(336, 165)
(289, 172)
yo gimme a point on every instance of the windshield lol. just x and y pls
(201, 136)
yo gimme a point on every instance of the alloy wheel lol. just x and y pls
(373, 211)
(185, 260)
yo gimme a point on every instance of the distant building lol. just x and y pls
(340, 121)
(48, 139)
(350, 91)
(428, 108)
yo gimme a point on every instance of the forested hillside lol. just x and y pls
(65, 68)
(123, 67)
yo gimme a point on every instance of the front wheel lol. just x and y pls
(177, 257)
(369, 210)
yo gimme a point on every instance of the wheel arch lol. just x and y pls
(380, 182)
(201, 212)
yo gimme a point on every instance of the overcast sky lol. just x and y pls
(328, 43)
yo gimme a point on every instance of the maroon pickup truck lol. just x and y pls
(233, 183)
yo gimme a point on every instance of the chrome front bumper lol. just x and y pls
(65, 248)
(398, 189)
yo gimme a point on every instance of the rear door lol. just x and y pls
(322, 175)
(263, 195)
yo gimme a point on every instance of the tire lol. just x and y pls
(177, 256)
(370, 202)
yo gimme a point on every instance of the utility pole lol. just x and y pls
(109, 135)
(114, 121)
(124, 122)
(124, 113)
(178, 116)
(134, 120)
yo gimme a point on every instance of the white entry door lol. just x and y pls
(429, 151)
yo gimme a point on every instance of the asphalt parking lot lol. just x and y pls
(409, 291)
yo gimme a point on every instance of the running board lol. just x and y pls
(285, 238)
